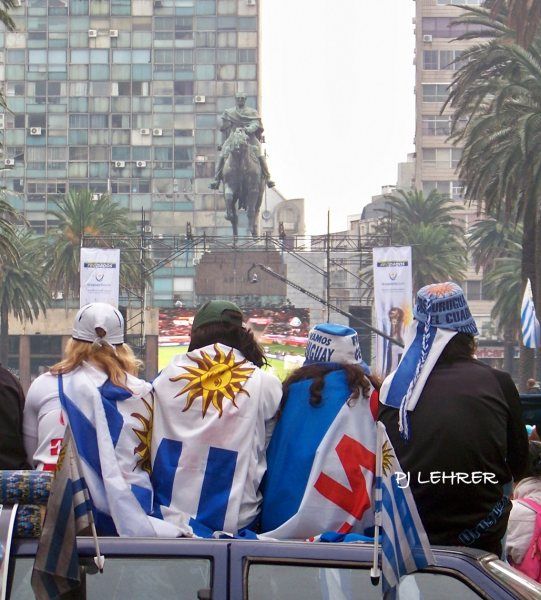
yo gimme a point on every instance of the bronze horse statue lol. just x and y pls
(243, 180)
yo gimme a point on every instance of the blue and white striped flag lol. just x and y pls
(56, 568)
(404, 544)
(528, 320)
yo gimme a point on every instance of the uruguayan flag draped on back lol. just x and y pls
(212, 419)
(111, 430)
(528, 319)
(404, 544)
(321, 464)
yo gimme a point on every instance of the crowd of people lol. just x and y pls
(216, 443)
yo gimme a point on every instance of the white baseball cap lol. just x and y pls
(98, 315)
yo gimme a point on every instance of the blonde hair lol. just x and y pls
(116, 362)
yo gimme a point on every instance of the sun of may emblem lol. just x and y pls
(214, 379)
(386, 458)
(144, 435)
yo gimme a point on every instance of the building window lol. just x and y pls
(435, 92)
(473, 289)
(441, 158)
(447, 27)
(442, 60)
(453, 189)
(436, 125)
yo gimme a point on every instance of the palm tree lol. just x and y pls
(7, 216)
(523, 16)
(23, 288)
(499, 90)
(4, 16)
(496, 247)
(79, 215)
(430, 226)
(490, 239)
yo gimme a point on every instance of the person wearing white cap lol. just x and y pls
(455, 424)
(95, 391)
(96, 349)
(325, 434)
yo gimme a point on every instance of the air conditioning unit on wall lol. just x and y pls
(157, 132)
(141, 164)
(35, 130)
(9, 162)
(119, 164)
(199, 99)
(92, 33)
(113, 33)
(144, 131)
(427, 38)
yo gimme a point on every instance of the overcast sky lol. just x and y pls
(337, 82)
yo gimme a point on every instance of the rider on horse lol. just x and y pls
(241, 116)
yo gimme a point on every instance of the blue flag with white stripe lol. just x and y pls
(528, 320)
(404, 544)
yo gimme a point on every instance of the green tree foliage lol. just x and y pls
(522, 16)
(23, 288)
(80, 216)
(496, 95)
(496, 247)
(430, 225)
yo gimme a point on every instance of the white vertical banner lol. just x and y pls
(100, 276)
(392, 302)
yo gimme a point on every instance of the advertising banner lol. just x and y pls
(392, 302)
(100, 276)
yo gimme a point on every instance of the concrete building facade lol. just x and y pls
(123, 97)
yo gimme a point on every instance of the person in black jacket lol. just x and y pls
(455, 424)
(12, 453)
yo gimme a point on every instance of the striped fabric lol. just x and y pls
(528, 320)
(120, 488)
(404, 546)
(56, 568)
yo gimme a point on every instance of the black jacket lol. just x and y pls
(468, 420)
(12, 454)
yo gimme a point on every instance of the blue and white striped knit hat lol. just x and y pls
(444, 305)
(328, 342)
(441, 311)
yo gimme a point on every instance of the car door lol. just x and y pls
(319, 571)
(149, 569)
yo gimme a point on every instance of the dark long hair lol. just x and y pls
(357, 381)
(461, 347)
(230, 335)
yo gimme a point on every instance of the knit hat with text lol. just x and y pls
(441, 311)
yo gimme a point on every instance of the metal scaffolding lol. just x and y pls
(152, 252)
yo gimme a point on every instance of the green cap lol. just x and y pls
(218, 311)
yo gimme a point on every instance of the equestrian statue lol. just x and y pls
(242, 166)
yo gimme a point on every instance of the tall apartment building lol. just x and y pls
(436, 159)
(123, 97)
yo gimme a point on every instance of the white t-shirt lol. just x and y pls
(213, 416)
